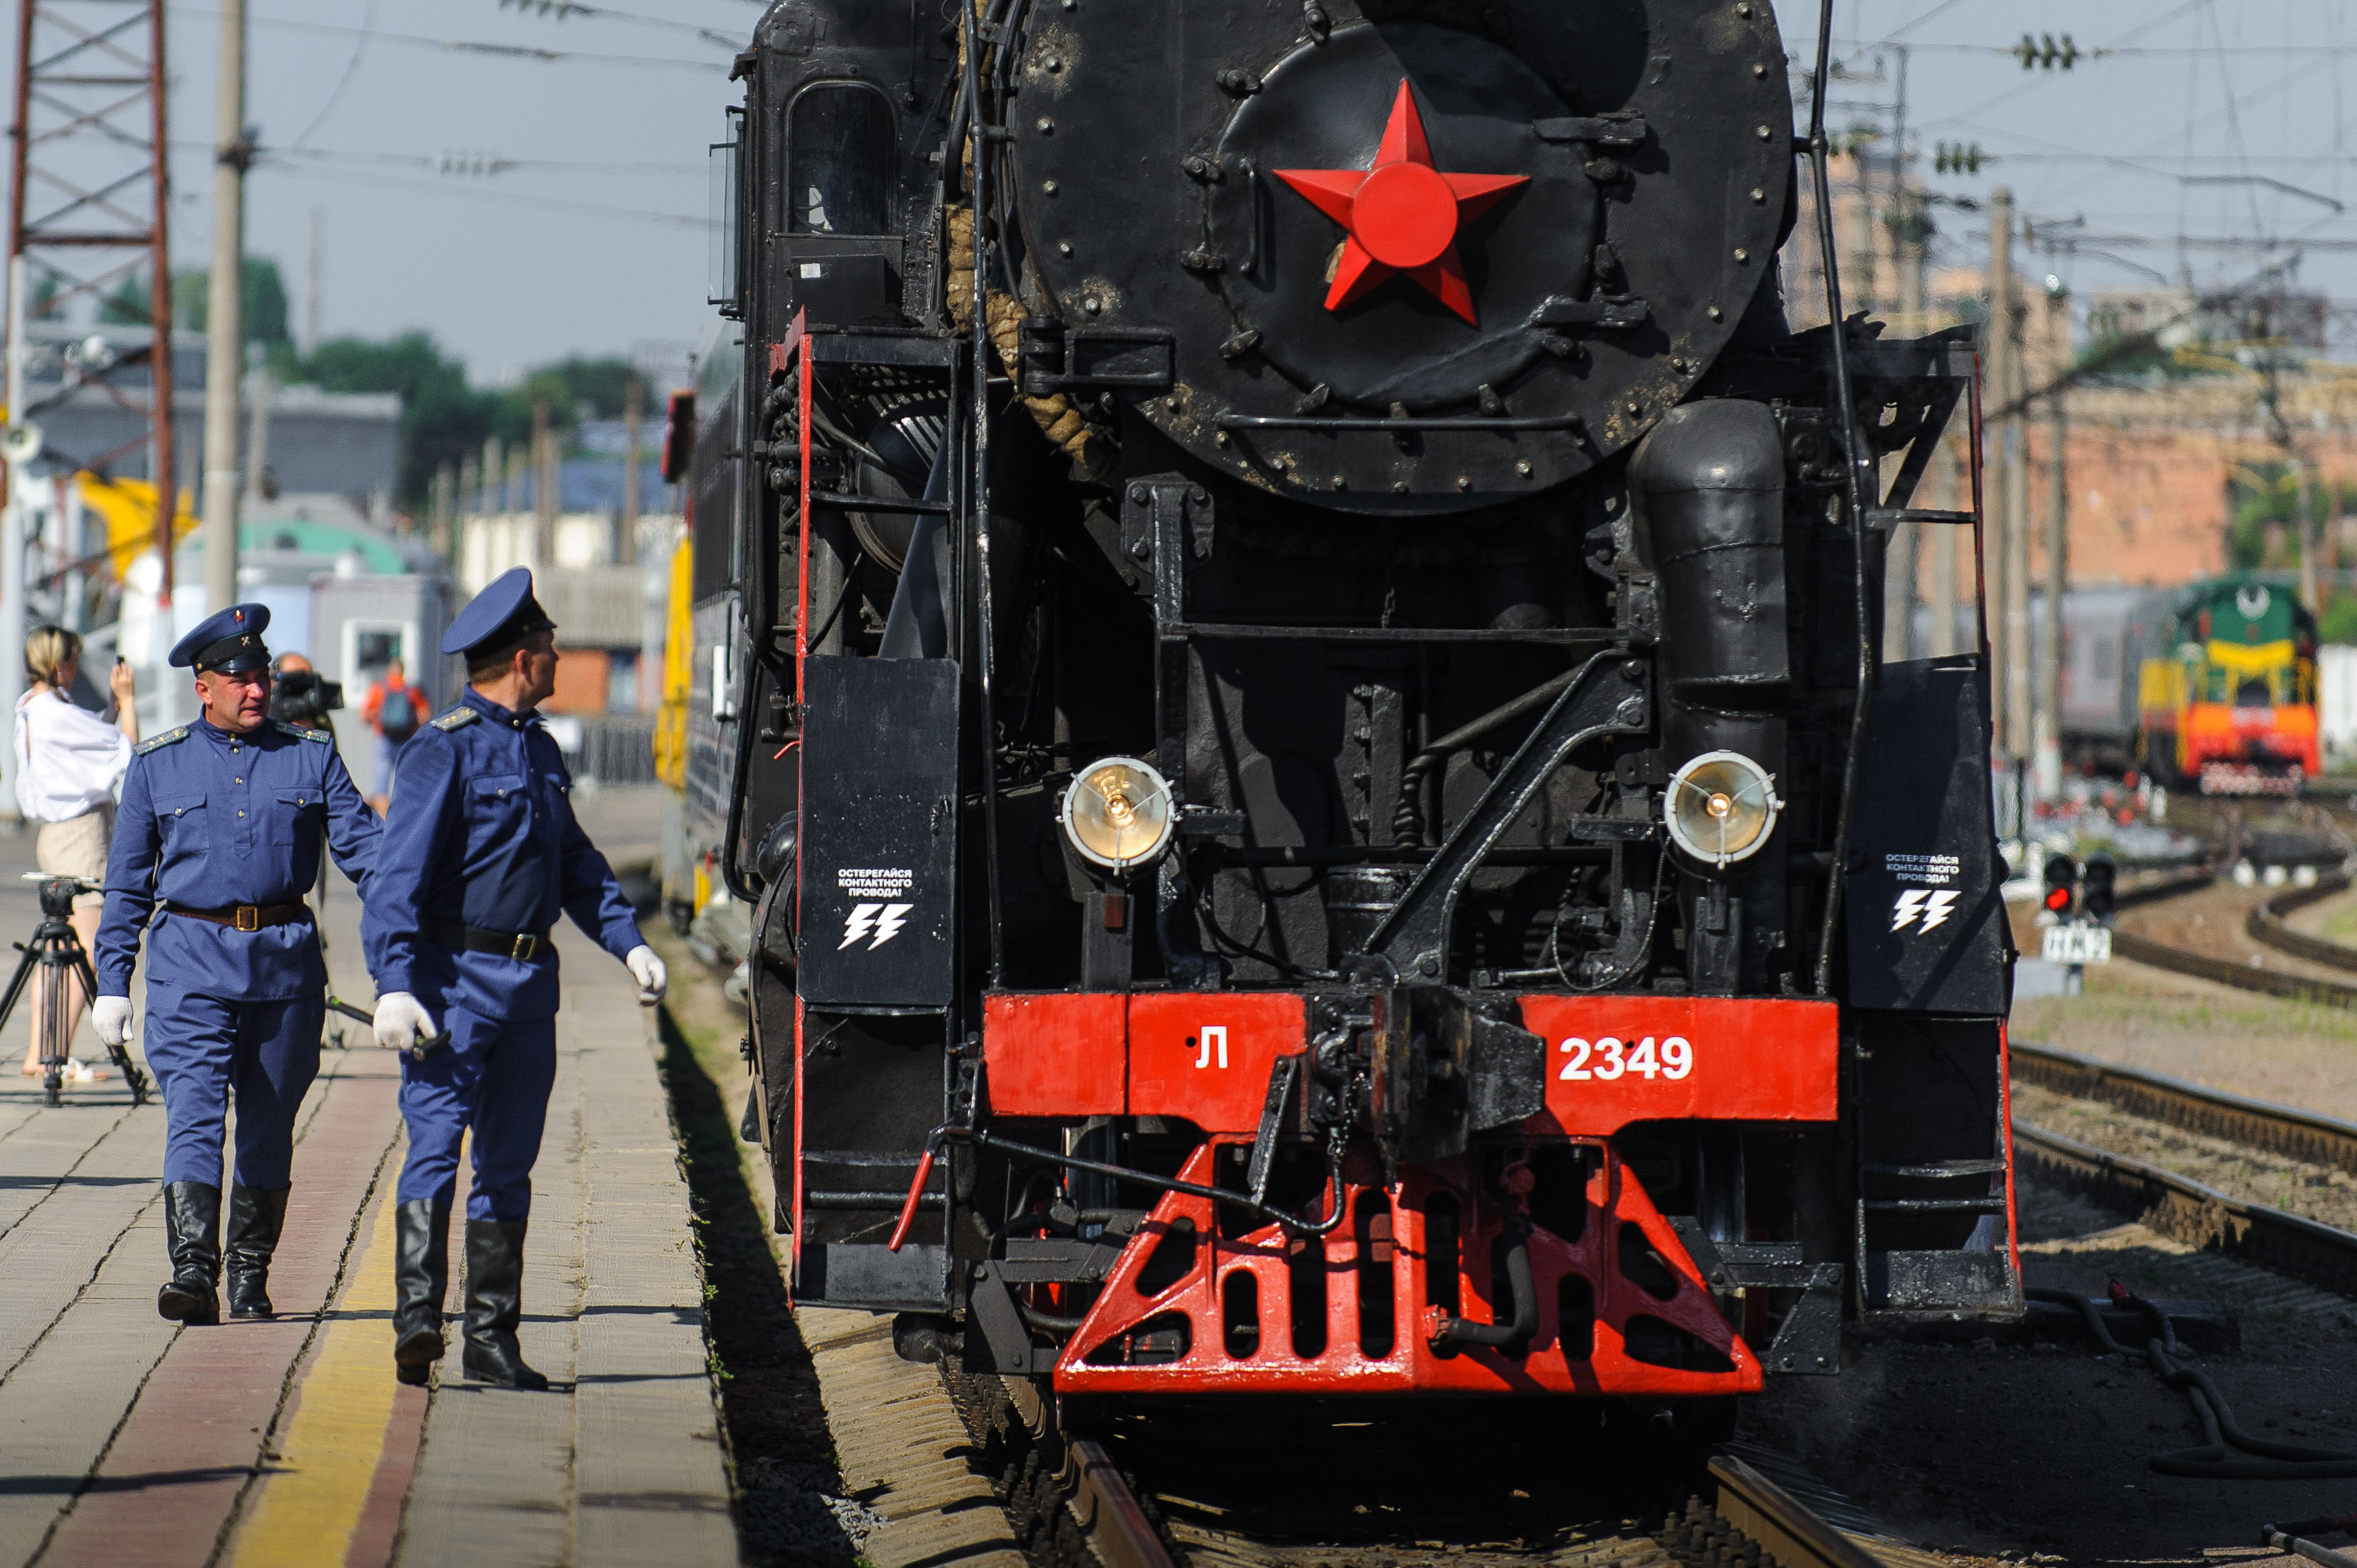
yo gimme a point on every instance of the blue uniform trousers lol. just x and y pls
(492, 1074)
(209, 1050)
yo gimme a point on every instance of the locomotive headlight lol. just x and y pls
(1117, 813)
(1721, 808)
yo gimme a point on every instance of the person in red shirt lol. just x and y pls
(393, 709)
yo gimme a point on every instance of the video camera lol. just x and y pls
(304, 697)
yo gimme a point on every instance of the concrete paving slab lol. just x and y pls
(620, 1462)
(127, 1440)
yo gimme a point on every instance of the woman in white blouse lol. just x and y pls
(69, 763)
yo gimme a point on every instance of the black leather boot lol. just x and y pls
(495, 1305)
(255, 1218)
(421, 1277)
(192, 1231)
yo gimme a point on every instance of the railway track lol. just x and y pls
(1208, 1502)
(2265, 925)
(2176, 1205)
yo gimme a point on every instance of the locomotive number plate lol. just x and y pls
(1612, 1061)
(1607, 1058)
(2078, 942)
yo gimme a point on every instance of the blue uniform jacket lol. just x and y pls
(482, 834)
(211, 818)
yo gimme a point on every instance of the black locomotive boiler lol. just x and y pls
(1292, 645)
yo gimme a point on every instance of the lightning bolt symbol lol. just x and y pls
(863, 920)
(889, 926)
(1936, 911)
(1910, 905)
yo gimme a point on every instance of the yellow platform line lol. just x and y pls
(307, 1508)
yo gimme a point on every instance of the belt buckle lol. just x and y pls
(246, 918)
(525, 947)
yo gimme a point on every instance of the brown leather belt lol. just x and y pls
(522, 947)
(247, 916)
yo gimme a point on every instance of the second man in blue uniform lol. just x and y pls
(220, 828)
(481, 856)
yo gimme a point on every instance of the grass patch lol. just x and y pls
(2050, 1020)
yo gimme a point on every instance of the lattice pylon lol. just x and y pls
(90, 202)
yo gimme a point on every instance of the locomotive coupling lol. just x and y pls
(1421, 1068)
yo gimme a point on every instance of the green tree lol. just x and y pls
(128, 305)
(2263, 516)
(574, 383)
(264, 302)
(441, 418)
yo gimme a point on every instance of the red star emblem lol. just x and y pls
(1401, 215)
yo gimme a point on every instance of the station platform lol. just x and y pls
(126, 1440)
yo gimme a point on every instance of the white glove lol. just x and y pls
(648, 972)
(400, 1020)
(111, 1017)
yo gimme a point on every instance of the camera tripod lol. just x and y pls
(56, 951)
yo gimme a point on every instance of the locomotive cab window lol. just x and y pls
(839, 161)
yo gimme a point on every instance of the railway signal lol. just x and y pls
(2074, 939)
(2098, 889)
(2061, 885)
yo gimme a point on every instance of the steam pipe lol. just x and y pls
(1455, 1331)
(1336, 1205)
(1852, 472)
(1407, 819)
(1708, 481)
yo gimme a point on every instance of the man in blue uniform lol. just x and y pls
(480, 856)
(220, 825)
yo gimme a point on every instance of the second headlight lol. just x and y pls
(1721, 808)
(1117, 813)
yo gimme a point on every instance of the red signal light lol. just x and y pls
(2058, 900)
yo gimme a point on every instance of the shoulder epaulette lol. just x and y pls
(299, 733)
(456, 718)
(167, 738)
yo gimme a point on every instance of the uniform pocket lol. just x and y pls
(497, 799)
(180, 815)
(298, 816)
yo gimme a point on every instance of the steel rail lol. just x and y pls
(2198, 1215)
(2225, 971)
(1111, 1520)
(2284, 1130)
(1786, 1531)
(2265, 924)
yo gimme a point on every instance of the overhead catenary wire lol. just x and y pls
(352, 70)
(563, 10)
(476, 46)
(505, 197)
(460, 162)
(2215, 142)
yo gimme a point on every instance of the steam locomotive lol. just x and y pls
(1293, 652)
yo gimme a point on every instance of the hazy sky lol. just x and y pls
(597, 240)
(2192, 129)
